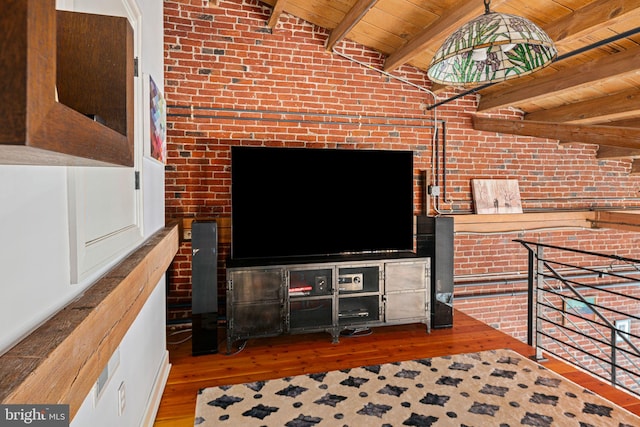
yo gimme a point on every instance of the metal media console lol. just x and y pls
(344, 294)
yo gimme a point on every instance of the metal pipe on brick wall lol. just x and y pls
(323, 118)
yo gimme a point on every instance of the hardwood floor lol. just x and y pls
(267, 358)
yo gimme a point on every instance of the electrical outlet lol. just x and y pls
(121, 399)
(186, 234)
(106, 375)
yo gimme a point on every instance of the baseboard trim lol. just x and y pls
(156, 393)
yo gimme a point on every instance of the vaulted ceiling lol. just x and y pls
(590, 94)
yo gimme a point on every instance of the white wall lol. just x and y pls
(140, 363)
(35, 249)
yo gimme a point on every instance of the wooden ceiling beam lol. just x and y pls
(439, 88)
(435, 34)
(624, 137)
(607, 67)
(611, 107)
(633, 122)
(351, 19)
(609, 152)
(278, 8)
(595, 15)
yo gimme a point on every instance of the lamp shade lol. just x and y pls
(490, 48)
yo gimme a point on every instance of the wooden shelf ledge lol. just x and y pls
(504, 223)
(619, 220)
(61, 360)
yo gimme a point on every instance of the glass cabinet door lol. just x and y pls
(310, 298)
(359, 294)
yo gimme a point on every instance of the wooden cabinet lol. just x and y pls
(67, 96)
(326, 296)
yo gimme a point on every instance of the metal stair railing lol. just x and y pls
(574, 302)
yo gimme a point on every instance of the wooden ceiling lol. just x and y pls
(591, 93)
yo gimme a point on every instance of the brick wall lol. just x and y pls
(230, 80)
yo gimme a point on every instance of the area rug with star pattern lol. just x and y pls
(491, 388)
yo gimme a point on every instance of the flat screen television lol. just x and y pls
(304, 202)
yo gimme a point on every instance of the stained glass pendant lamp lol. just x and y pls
(491, 48)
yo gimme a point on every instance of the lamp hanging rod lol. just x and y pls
(559, 58)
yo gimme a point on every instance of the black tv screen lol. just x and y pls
(301, 202)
